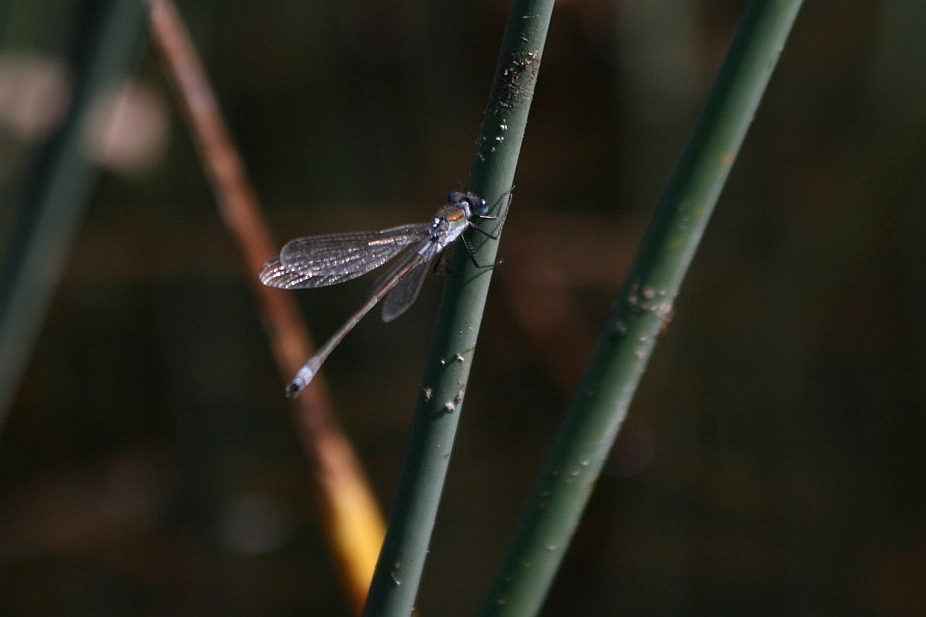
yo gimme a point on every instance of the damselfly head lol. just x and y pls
(476, 205)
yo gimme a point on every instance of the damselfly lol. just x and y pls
(318, 261)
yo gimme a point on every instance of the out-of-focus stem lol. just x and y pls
(355, 527)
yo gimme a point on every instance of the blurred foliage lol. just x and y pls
(772, 461)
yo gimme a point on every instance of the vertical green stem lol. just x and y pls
(398, 571)
(643, 306)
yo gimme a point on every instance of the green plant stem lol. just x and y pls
(398, 571)
(54, 201)
(644, 305)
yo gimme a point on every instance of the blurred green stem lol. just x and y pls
(398, 571)
(60, 184)
(643, 307)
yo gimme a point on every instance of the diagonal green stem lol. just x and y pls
(642, 309)
(54, 201)
(398, 571)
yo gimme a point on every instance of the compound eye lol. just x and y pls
(479, 205)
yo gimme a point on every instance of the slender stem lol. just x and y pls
(61, 180)
(398, 571)
(353, 522)
(644, 305)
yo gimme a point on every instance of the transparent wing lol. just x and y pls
(275, 274)
(317, 261)
(405, 292)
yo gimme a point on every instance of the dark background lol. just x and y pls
(772, 462)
